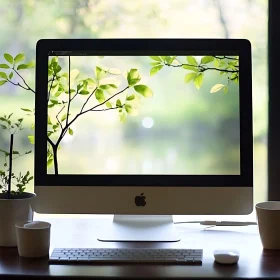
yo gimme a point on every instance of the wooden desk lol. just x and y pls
(74, 232)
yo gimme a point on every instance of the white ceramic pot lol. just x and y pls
(13, 211)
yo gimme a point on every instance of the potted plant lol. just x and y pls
(15, 203)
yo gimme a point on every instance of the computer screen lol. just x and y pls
(144, 126)
(161, 114)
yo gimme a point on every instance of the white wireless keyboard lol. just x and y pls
(97, 255)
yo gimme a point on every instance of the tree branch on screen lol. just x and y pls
(107, 96)
(201, 68)
(101, 96)
(225, 65)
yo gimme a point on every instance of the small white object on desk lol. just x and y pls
(226, 256)
(33, 239)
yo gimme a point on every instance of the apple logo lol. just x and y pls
(140, 200)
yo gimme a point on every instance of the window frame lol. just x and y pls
(273, 149)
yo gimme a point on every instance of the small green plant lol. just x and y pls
(7, 176)
(12, 68)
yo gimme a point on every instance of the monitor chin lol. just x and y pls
(153, 200)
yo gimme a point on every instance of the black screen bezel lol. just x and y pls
(240, 47)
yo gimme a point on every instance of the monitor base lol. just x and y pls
(144, 228)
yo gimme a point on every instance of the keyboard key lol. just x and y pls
(54, 258)
(58, 255)
(171, 259)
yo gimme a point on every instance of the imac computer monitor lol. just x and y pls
(144, 126)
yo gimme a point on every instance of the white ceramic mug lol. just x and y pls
(33, 239)
(268, 214)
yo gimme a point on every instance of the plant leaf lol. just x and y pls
(2, 82)
(191, 60)
(70, 131)
(113, 85)
(156, 58)
(109, 105)
(225, 89)
(189, 67)
(99, 95)
(143, 90)
(198, 80)
(11, 75)
(58, 93)
(22, 66)
(207, 59)
(19, 57)
(133, 77)
(56, 69)
(31, 139)
(128, 108)
(25, 109)
(155, 63)
(71, 91)
(3, 65)
(216, 62)
(155, 69)
(170, 59)
(104, 87)
(91, 81)
(54, 90)
(3, 75)
(216, 88)
(9, 58)
(49, 120)
(49, 162)
(3, 126)
(64, 117)
(130, 97)
(119, 103)
(31, 64)
(189, 77)
(99, 73)
(84, 92)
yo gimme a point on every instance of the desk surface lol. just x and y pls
(81, 232)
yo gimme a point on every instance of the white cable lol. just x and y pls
(227, 223)
(217, 223)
